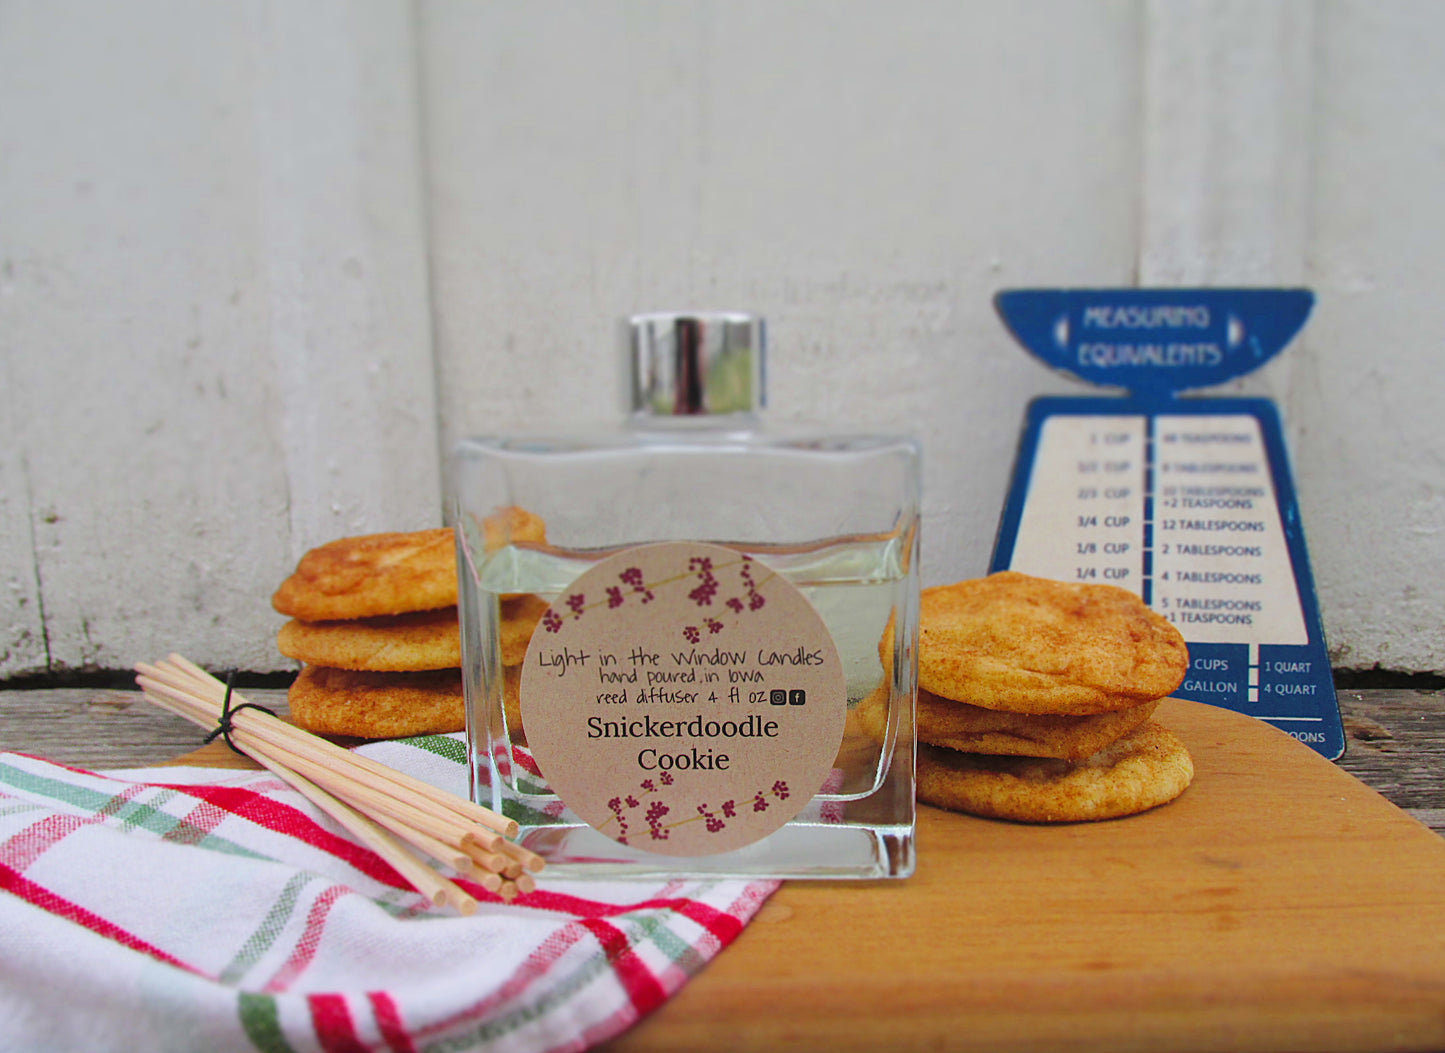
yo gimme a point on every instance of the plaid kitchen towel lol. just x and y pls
(195, 909)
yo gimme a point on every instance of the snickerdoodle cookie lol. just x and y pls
(377, 705)
(1030, 645)
(1144, 769)
(372, 575)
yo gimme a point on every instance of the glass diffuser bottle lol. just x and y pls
(689, 644)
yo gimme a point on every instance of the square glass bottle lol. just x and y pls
(689, 644)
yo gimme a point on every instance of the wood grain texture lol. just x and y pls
(1279, 904)
(1395, 742)
(91, 728)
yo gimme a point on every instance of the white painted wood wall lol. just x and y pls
(263, 261)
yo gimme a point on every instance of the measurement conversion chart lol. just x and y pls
(1187, 503)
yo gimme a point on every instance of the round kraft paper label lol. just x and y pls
(683, 698)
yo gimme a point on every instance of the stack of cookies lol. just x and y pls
(374, 624)
(1036, 697)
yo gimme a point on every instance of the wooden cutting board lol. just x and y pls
(1280, 904)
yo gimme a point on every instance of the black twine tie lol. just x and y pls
(228, 714)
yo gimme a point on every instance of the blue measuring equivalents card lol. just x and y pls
(1187, 502)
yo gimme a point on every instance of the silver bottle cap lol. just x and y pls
(696, 363)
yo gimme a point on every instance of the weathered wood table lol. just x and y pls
(1396, 737)
(1280, 904)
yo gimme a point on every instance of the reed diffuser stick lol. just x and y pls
(384, 809)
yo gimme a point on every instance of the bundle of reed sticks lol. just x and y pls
(402, 819)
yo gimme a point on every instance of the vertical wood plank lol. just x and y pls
(345, 267)
(1226, 142)
(22, 620)
(1371, 400)
(864, 175)
(1291, 143)
(214, 320)
(1226, 153)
